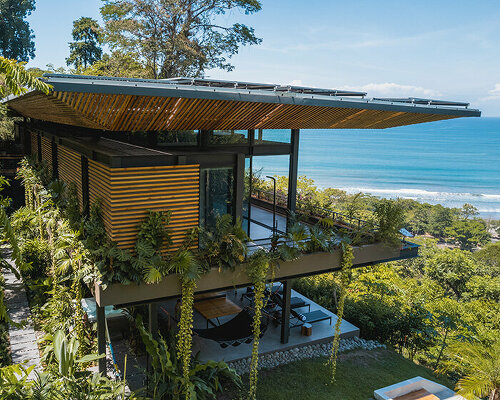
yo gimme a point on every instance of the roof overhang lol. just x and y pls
(121, 104)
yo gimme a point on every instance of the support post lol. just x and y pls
(239, 185)
(204, 139)
(292, 171)
(285, 312)
(101, 338)
(153, 319)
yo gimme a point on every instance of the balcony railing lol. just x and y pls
(314, 212)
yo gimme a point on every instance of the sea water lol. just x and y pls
(448, 162)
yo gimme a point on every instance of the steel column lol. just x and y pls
(285, 312)
(239, 185)
(293, 171)
(153, 319)
(101, 338)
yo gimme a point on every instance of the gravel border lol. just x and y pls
(278, 358)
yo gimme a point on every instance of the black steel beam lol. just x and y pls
(153, 319)
(239, 185)
(101, 337)
(293, 171)
(285, 312)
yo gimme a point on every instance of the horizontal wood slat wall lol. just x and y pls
(125, 195)
(70, 169)
(34, 143)
(46, 145)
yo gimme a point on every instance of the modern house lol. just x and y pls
(183, 145)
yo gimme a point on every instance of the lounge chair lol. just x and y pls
(295, 302)
(234, 332)
(308, 318)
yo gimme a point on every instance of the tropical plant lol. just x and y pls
(345, 265)
(225, 246)
(67, 380)
(480, 365)
(16, 80)
(167, 380)
(259, 267)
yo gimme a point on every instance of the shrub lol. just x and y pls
(37, 252)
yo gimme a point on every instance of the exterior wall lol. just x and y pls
(46, 145)
(126, 194)
(70, 169)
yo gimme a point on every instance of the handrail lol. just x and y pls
(282, 200)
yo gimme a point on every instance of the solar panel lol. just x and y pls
(263, 86)
(429, 102)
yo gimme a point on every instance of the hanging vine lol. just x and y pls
(257, 270)
(184, 336)
(345, 265)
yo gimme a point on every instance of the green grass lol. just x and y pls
(359, 373)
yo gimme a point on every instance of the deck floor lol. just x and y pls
(210, 350)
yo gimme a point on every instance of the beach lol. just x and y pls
(448, 162)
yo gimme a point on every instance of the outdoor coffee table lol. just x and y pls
(216, 308)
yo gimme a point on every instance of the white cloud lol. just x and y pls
(296, 82)
(390, 89)
(496, 90)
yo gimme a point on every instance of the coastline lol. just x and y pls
(448, 163)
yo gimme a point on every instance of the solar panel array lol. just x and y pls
(264, 86)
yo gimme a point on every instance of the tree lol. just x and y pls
(489, 256)
(468, 233)
(481, 366)
(85, 50)
(16, 37)
(117, 63)
(14, 79)
(177, 37)
(452, 269)
(440, 218)
(468, 210)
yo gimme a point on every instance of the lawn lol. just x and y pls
(359, 373)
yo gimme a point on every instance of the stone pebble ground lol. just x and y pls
(276, 359)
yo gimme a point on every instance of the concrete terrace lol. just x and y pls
(210, 350)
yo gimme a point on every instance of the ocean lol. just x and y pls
(448, 162)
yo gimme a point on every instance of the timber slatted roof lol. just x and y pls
(120, 104)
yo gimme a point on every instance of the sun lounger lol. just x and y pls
(308, 318)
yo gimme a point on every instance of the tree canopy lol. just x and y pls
(16, 37)
(86, 49)
(177, 38)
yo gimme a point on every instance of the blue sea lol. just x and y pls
(448, 162)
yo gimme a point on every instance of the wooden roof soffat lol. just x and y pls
(128, 112)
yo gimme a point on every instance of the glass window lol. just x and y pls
(181, 138)
(216, 195)
(229, 137)
(263, 136)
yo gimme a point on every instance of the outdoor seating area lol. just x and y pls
(228, 334)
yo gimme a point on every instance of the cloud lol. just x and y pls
(493, 95)
(296, 82)
(495, 91)
(391, 89)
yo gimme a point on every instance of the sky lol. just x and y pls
(394, 48)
